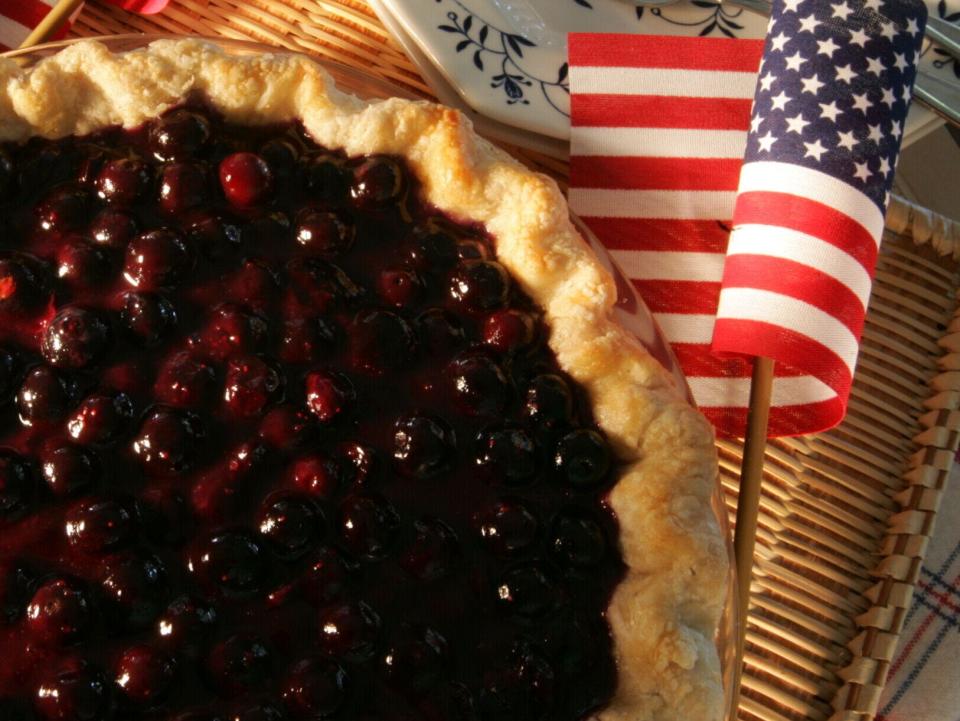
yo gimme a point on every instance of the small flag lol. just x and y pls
(828, 115)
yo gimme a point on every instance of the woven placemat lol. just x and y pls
(845, 515)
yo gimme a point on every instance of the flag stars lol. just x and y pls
(842, 11)
(860, 102)
(886, 28)
(901, 63)
(811, 85)
(827, 47)
(766, 142)
(808, 24)
(767, 80)
(755, 122)
(845, 74)
(859, 37)
(875, 66)
(814, 149)
(794, 61)
(913, 27)
(888, 98)
(846, 140)
(875, 134)
(897, 129)
(792, 5)
(884, 165)
(778, 41)
(796, 124)
(780, 100)
(861, 171)
(829, 111)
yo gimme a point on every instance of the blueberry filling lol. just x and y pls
(280, 441)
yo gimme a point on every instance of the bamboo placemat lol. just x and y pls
(845, 515)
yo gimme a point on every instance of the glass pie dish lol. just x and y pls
(631, 313)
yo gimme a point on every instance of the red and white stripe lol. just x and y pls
(797, 279)
(19, 17)
(659, 131)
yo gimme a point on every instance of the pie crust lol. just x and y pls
(665, 613)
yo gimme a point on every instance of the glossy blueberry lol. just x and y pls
(68, 470)
(576, 539)
(329, 395)
(314, 688)
(526, 591)
(112, 228)
(325, 232)
(508, 527)
(582, 458)
(75, 338)
(349, 631)
(44, 397)
(246, 179)
(399, 287)
(10, 368)
(290, 524)
(369, 525)
(432, 250)
(100, 419)
(286, 426)
(423, 446)
(147, 317)
(508, 455)
(479, 386)
(60, 612)
(212, 234)
(156, 259)
(508, 331)
(238, 664)
(327, 577)
(281, 155)
(123, 182)
(232, 562)
(183, 186)
(480, 285)
(230, 330)
(306, 340)
(439, 331)
(83, 265)
(144, 675)
(380, 341)
(134, 589)
(64, 209)
(178, 135)
(250, 384)
(548, 402)
(99, 525)
(168, 441)
(378, 182)
(325, 180)
(434, 551)
(414, 660)
(186, 623)
(74, 691)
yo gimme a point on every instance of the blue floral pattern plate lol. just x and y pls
(507, 58)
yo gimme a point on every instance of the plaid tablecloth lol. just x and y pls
(924, 682)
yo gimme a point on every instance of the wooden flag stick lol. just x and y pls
(51, 22)
(748, 500)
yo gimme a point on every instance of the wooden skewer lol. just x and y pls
(53, 21)
(748, 500)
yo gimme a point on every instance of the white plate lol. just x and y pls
(507, 58)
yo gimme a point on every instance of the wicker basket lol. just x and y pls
(846, 515)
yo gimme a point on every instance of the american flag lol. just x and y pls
(660, 129)
(828, 115)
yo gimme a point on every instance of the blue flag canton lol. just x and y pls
(834, 88)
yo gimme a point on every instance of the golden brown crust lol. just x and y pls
(665, 613)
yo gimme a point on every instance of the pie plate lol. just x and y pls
(84, 337)
(507, 59)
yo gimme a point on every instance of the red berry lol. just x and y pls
(246, 179)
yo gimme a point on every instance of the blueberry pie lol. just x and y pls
(313, 408)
